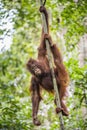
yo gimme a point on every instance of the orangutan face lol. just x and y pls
(33, 67)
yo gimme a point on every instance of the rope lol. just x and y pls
(50, 59)
(44, 2)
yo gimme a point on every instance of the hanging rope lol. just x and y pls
(44, 2)
(50, 59)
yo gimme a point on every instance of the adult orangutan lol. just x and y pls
(41, 74)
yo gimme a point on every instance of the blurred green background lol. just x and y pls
(20, 31)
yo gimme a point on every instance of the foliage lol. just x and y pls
(15, 100)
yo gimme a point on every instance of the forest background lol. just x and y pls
(20, 31)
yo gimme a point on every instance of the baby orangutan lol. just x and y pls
(41, 74)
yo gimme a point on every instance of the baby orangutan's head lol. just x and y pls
(34, 67)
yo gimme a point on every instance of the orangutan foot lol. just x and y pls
(36, 122)
(65, 113)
